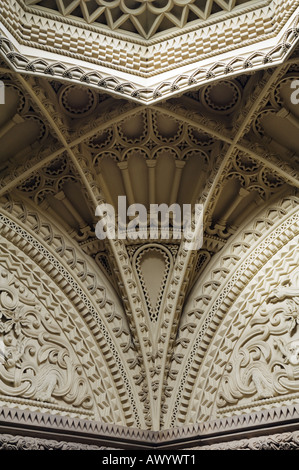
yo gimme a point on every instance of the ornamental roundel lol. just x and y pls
(77, 101)
(221, 97)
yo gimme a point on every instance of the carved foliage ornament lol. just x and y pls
(265, 362)
(36, 361)
(284, 441)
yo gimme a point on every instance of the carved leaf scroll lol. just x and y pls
(36, 361)
(265, 362)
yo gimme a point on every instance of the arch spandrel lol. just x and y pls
(92, 329)
(235, 297)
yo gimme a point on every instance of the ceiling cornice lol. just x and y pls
(147, 73)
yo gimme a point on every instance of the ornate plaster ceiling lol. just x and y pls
(174, 107)
(146, 51)
(139, 321)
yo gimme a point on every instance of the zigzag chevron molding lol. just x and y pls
(146, 72)
(96, 435)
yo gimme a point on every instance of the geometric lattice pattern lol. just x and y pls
(143, 17)
(139, 335)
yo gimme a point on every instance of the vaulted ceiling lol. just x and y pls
(229, 143)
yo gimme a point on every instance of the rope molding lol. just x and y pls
(174, 86)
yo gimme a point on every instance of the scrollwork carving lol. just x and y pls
(37, 362)
(10, 442)
(265, 363)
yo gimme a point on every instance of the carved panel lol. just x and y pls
(78, 314)
(37, 361)
(265, 361)
(206, 339)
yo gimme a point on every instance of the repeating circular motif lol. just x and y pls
(284, 84)
(101, 140)
(221, 97)
(167, 129)
(246, 164)
(31, 184)
(22, 102)
(77, 101)
(200, 138)
(270, 179)
(56, 167)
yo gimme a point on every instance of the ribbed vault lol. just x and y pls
(145, 332)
